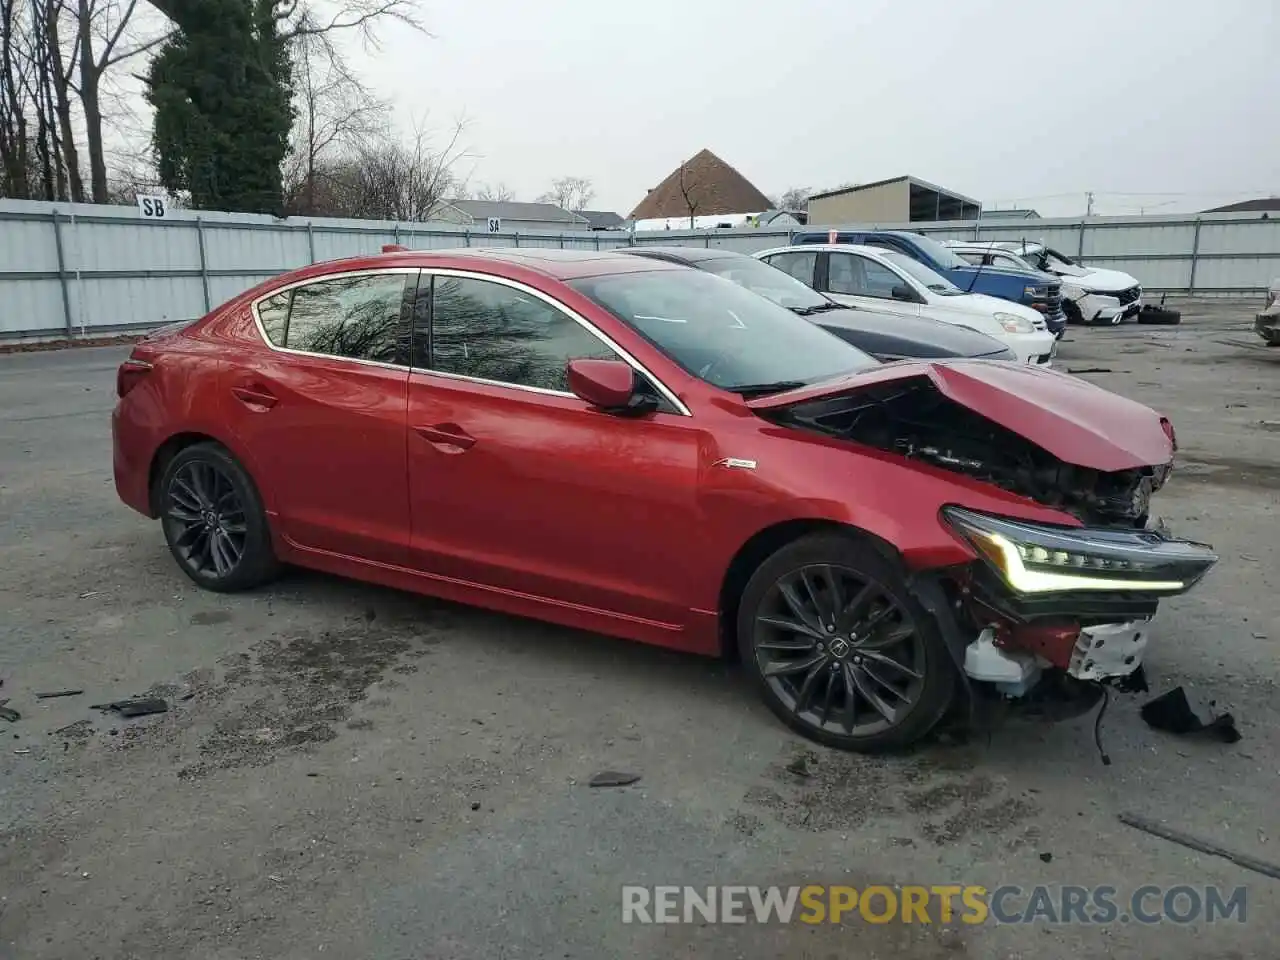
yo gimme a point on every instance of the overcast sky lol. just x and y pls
(1172, 104)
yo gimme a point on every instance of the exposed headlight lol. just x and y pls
(1012, 323)
(1035, 293)
(1034, 558)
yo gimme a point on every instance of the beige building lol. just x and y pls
(896, 201)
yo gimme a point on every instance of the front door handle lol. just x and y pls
(255, 396)
(448, 437)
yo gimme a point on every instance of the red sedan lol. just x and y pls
(650, 451)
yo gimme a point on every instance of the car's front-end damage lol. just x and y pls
(1048, 608)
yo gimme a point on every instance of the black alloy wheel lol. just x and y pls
(213, 520)
(841, 650)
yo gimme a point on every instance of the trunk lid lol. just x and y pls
(1074, 420)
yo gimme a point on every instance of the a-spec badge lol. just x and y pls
(734, 463)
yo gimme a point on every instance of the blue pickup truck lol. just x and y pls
(1040, 291)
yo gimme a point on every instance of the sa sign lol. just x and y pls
(151, 207)
(495, 224)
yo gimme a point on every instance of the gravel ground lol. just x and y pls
(355, 772)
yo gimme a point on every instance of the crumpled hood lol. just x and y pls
(1072, 419)
(1105, 281)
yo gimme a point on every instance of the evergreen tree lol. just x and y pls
(222, 93)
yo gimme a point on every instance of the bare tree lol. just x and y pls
(336, 116)
(688, 183)
(795, 198)
(17, 62)
(491, 191)
(569, 193)
(101, 43)
(385, 180)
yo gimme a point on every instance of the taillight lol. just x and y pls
(131, 373)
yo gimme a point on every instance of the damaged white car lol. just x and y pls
(1089, 295)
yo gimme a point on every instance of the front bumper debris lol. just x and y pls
(1109, 650)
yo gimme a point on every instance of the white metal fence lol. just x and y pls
(72, 270)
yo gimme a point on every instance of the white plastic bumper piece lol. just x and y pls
(1110, 650)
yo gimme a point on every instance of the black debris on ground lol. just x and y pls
(1176, 712)
(613, 778)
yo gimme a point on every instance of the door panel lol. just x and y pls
(517, 484)
(550, 497)
(327, 433)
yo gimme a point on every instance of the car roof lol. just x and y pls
(684, 254)
(553, 262)
(861, 248)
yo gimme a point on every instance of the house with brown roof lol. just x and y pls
(702, 186)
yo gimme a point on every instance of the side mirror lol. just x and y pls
(609, 385)
(903, 292)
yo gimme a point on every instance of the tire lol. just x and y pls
(777, 642)
(1071, 311)
(213, 520)
(1160, 316)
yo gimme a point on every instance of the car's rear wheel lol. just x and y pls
(840, 649)
(213, 520)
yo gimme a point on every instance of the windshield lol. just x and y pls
(938, 253)
(723, 333)
(931, 280)
(768, 281)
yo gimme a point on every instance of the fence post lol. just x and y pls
(1195, 255)
(1080, 243)
(515, 238)
(397, 240)
(62, 272)
(204, 265)
(597, 233)
(466, 238)
(562, 241)
(706, 239)
(311, 242)
(791, 237)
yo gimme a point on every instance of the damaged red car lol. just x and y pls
(645, 450)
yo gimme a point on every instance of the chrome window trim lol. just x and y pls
(582, 321)
(369, 272)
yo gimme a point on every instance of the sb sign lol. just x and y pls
(495, 224)
(152, 207)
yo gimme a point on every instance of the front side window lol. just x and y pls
(356, 317)
(857, 276)
(723, 333)
(495, 332)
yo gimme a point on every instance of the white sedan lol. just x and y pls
(890, 283)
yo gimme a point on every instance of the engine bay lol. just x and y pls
(914, 419)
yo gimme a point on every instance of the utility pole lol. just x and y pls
(1088, 209)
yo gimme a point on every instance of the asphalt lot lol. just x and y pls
(356, 772)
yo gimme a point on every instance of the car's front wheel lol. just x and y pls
(840, 649)
(213, 520)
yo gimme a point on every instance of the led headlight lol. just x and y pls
(1034, 558)
(1035, 293)
(1012, 323)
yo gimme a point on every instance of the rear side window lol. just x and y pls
(274, 314)
(799, 265)
(358, 317)
(494, 332)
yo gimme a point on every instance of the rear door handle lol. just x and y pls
(448, 437)
(256, 396)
